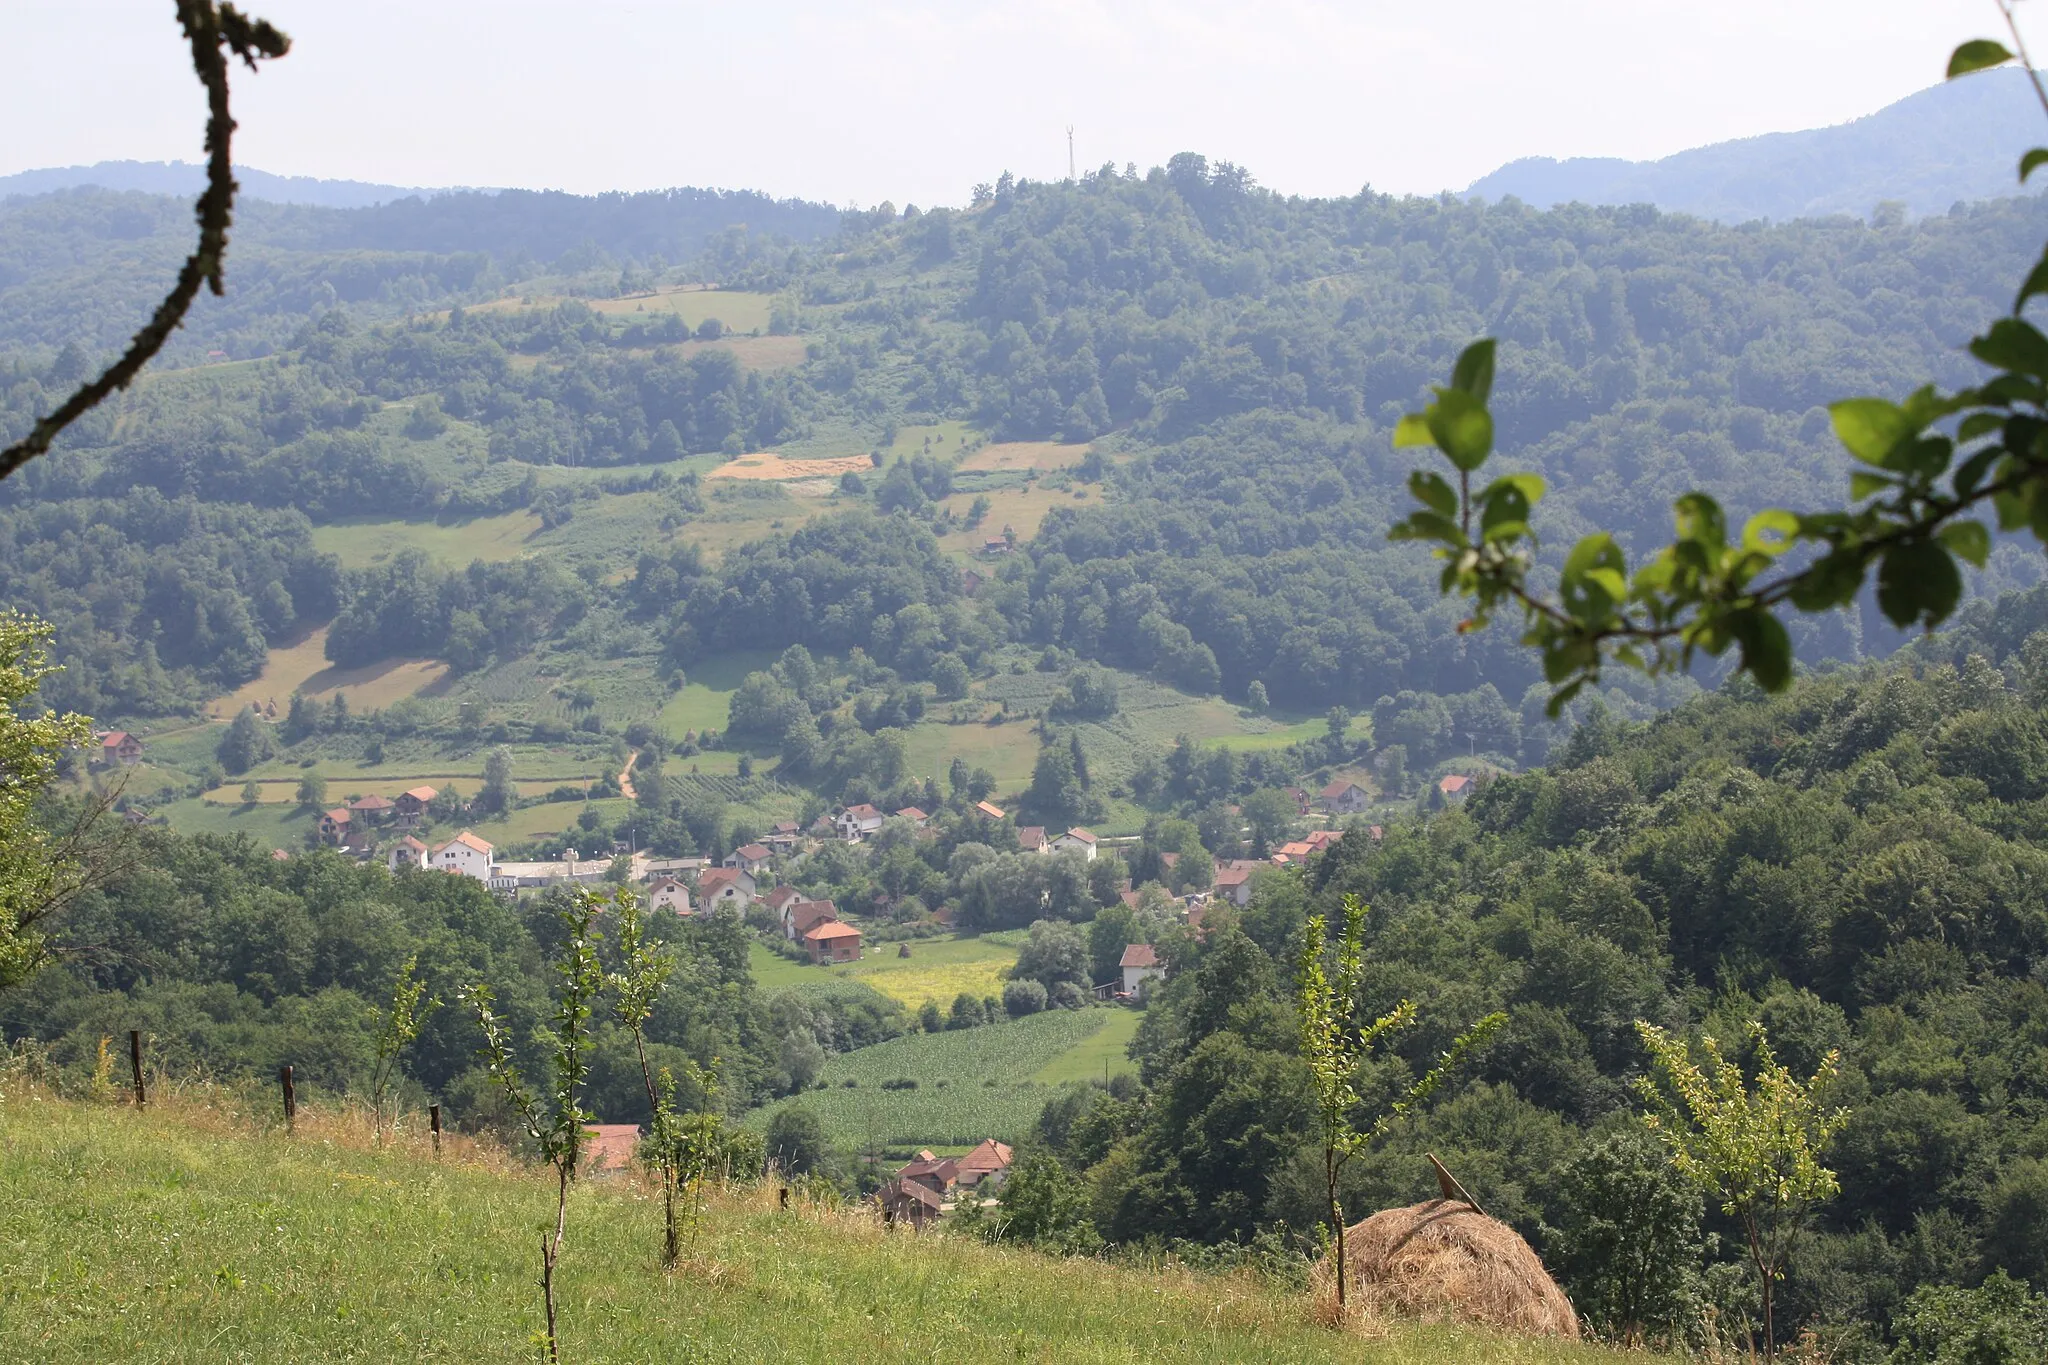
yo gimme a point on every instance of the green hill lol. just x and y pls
(184, 1234)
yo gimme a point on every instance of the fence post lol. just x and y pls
(434, 1122)
(291, 1097)
(135, 1064)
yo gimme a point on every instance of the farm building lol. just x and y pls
(373, 810)
(986, 1167)
(833, 941)
(119, 749)
(988, 812)
(1455, 788)
(1031, 838)
(905, 1201)
(411, 804)
(1346, 797)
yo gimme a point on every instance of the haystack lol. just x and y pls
(1445, 1261)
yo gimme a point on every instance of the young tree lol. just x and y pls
(1255, 698)
(1334, 1047)
(312, 792)
(644, 970)
(246, 743)
(37, 874)
(251, 793)
(498, 794)
(554, 1120)
(1757, 1149)
(401, 1026)
(1628, 1238)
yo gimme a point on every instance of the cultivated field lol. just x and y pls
(972, 1083)
(186, 1232)
(302, 667)
(937, 969)
(773, 467)
(1098, 1056)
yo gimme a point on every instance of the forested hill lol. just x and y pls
(1953, 143)
(1233, 359)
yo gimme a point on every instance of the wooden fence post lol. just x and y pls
(291, 1097)
(434, 1122)
(135, 1064)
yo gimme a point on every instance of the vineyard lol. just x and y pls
(970, 1083)
(737, 791)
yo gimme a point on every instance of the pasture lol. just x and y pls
(1021, 509)
(972, 1083)
(1100, 1055)
(302, 666)
(937, 969)
(769, 466)
(360, 542)
(739, 310)
(1039, 455)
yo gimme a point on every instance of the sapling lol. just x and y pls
(644, 969)
(401, 1027)
(555, 1120)
(1333, 1048)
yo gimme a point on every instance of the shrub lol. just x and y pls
(1023, 997)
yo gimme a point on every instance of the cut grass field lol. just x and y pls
(360, 542)
(1041, 455)
(184, 1234)
(302, 666)
(766, 465)
(937, 969)
(972, 1083)
(1098, 1056)
(1021, 509)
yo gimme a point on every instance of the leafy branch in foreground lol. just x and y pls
(213, 32)
(1758, 1150)
(644, 969)
(37, 874)
(1334, 1048)
(556, 1120)
(1934, 462)
(401, 1026)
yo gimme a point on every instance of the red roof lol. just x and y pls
(1139, 955)
(832, 929)
(338, 816)
(419, 794)
(1338, 788)
(1454, 784)
(114, 739)
(1083, 835)
(783, 895)
(913, 813)
(911, 1190)
(714, 879)
(989, 1156)
(992, 812)
(753, 853)
(807, 915)
(863, 812)
(1031, 836)
(370, 803)
(1232, 876)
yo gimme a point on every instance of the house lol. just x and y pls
(780, 898)
(1140, 964)
(374, 810)
(725, 886)
(856, 823)
(934, 1173)
(833, 941)
(988, 812)
(985, 1167)
(913, 815)
(654, 869)
(611, 1147)
(1455, 788)
(799, 917)
(784, 836)
(1320, 840)
(995, 545)
(1346, 797)
(1300, 799)
(1031, 838)
(1234, 884)
(751, 859)
(334, 826)
(970, 583)
(1293, 851)
(670, 894)
(466, 854)
(118, 748)
(1076, 839)
(407, 852)
(412, 803)
(906, 1201)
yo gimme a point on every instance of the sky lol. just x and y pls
(914, 101)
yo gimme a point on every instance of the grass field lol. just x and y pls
(937, 969)
(302, 667)
(1105, 1048)
(1041, 455)
(1021, 509)
(360, 542)
(182, 1234)
(738, 310)
(972, 1083)
(768, 466)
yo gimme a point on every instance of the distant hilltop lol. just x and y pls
(1959, 141)
(185, 177)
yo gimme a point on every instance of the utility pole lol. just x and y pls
(1070, 153)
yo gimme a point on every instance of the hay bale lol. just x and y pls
(1443, 1260)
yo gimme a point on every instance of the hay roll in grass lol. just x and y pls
(1443, 1260)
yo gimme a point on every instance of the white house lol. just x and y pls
(670, 894)
(407, 852)
(1346, 797)
(748, 858)
(1140, 964)
(466, 854)
(1076, 839)
(722, 886)
(858, 822)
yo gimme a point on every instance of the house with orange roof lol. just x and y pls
(833, 941)
(751, 859)
(1031, 838)
(334, 826)
(407, 852)
(411, 805)
(985, 1167)
(856, 823)
(988, 812)
(1140, 964)
(1234, 884)
(1456, 787)
(670, 894)
(914, 816)
(910, 1203)
(118, 748)
(373, 809)
(1345, 797)
(799, 917)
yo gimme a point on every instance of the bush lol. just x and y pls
(1067, 996)
(1023, 997)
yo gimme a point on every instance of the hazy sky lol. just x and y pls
(915, 100)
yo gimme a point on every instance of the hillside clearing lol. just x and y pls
(179, 1234)
(938, 969)
(1042, 455)
(302, 667)
(361, 542)
(768, 465)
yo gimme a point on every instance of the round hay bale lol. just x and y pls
(1443, 1260)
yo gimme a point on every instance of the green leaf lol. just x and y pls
(1978, 425)
(1969, 540)
(2032, 160)
(1770, 531)
(1592, 584)
(1870, 427)
(1766, 648)
(1699, 518)
(2035, 283)
(1413, 430)
(1972, 471)
(1918, 582)
(1432, 492)
(1428, 526)
(1866, 485)
(2013, 345)
(1976, 55)
(1473, 373)
(1462, 427)
(1832, 581)
(1532, 486)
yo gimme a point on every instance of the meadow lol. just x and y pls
(360, 542)
(938, 969)
(972, 1083)
(301, 666)
(192, 1231)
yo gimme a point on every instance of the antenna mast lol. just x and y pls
(1070, 153)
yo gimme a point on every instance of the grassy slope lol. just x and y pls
(1105, 1048)
(163, 1236)
(937, 969)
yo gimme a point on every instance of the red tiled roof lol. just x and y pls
(1232, 876)
(1456, 782)
(753, 853)
(370, 803)
(468, 840)
(1077, 833)
(337, 816)
(863, 812)
(913, 813)
(114, 739)
(911, 1190)
(992, 812)
(1139, 955)
(990, 1155)
(1031, 836)
(1338, 788)
(711, 879)
(419, 794)
(832, 929)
